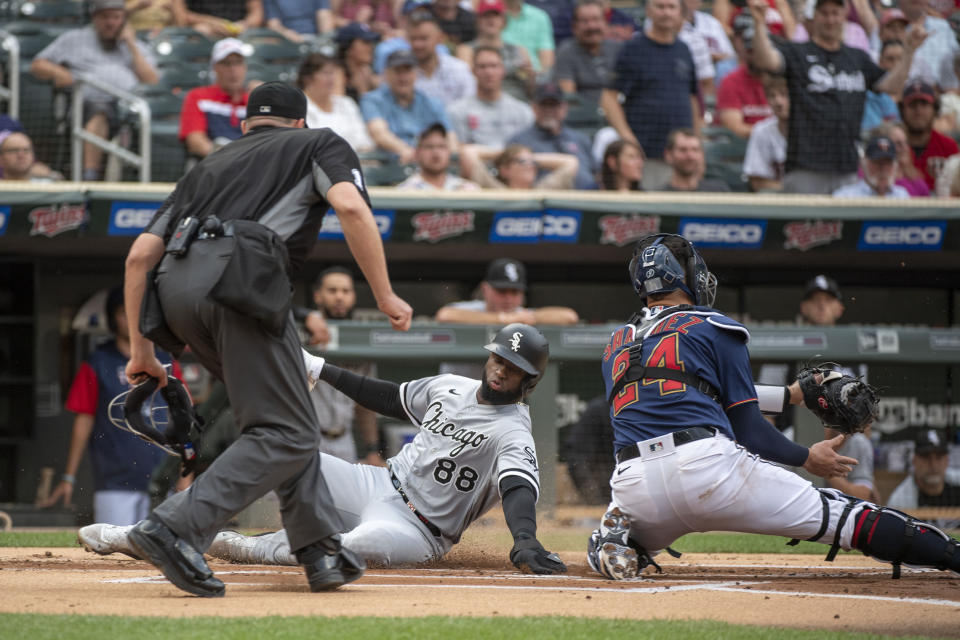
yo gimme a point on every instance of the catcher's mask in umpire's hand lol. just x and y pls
(525, 347)
(655, 269)
(171, 425)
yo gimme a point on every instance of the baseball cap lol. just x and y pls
(436, 127)
(277, 99)
(930, 441)
(226, 47)
(402, 58)
(890, 15)
(356, 31)
(822, 283)
(744, 27)
(412, 5)
(548, 91)
(506, 273)
(103, 5)
(881, 148)
(487, 6)
(918, 91)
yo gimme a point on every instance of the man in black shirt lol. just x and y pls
(260, 201)
(828, 82)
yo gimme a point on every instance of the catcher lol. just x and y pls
(692, 447)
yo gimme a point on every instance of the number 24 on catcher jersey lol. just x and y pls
(696, 340)
(452, 469)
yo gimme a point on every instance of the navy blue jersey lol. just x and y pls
(697, 340)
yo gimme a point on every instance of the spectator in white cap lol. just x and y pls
(211, 115)
(108, 48)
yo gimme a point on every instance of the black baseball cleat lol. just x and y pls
(182, 565)
(329, 572)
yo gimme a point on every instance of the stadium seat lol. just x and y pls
(263, 35)
(175, 52)
(59, 11)
(386, 175)
(33, 38)
(271, 72)
(274, 53)
(585, 116)
(182, 79)
(181, 34)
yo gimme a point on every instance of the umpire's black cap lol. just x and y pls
(278, 100)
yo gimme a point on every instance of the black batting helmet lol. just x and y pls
(523, 346)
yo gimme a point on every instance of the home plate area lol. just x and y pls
(800, 591)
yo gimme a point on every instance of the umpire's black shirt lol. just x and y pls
(278, 176)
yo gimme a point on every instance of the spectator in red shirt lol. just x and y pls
(211, 115)
(741, 102)
(918, 108)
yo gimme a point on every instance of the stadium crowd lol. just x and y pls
(850, 97)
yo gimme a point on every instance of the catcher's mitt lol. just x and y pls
(842, 402)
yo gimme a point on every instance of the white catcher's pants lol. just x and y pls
(380, 526)
(715, 485)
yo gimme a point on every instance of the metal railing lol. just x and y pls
(137, 105)
(11, 93)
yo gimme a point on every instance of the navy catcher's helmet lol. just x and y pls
(523, 346)
(655, 269)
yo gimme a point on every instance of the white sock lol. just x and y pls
(313, 365)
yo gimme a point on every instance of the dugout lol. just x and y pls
(898, 265)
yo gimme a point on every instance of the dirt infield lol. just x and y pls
(852, 594)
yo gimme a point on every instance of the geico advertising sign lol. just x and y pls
(724, 233)
(130, 218)
(530, 227)
(901, 235)
(4, 218)
(331, 229)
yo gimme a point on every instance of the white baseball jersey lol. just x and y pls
(452, 469)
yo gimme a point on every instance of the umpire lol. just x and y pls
(212, 271)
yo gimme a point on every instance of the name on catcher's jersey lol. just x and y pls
(697, 340)
(452, 469)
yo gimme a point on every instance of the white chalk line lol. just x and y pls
(724, 587)
(847, 596)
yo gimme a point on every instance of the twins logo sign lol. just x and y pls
(531, 227)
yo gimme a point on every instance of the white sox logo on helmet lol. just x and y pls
(515, 341)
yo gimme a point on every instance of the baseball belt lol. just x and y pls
(684, 436)
(432, 528)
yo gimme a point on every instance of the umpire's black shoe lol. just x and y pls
(327, 569)
(183, 565)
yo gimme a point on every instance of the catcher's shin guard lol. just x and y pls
(893, 536)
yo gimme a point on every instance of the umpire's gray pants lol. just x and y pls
(266, 384)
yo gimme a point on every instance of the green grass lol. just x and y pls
(66, 538)
(443, 628)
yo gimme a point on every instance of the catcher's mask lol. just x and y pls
(525, 347)
(170, 424)
(655, 269)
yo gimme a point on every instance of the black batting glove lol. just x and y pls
(529, 556)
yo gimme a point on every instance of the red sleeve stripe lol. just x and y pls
(737, 404)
